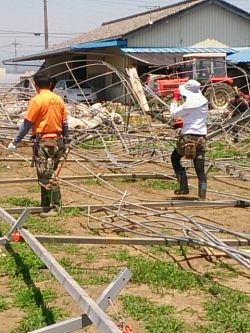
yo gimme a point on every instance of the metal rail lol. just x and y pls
(92, 310)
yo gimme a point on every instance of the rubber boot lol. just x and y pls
(45, 200)
(56, 204)
(235, 132)
(182, 179)
(202, 191)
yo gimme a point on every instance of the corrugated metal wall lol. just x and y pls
(210, 26)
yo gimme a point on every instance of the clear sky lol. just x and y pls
(20, 20)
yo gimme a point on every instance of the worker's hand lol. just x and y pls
(176, 94)
(66, 144)
(67, 139)
(178, 124)
(12, 147)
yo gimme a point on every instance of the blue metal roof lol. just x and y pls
(240, 57)
(98, 44)
(176, 50)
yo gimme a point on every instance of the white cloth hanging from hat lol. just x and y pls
(194, 97)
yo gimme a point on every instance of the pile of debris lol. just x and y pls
(80, 116)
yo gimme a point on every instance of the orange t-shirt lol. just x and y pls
(47, 112)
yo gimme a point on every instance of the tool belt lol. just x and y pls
(190, 144)
(49, 142)
(58, 143)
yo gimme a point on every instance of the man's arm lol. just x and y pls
(23, 130)
(65, 128)
(178, 111)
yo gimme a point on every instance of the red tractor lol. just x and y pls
(210, 69)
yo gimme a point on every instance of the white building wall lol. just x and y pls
(209, 26)
(114, 57)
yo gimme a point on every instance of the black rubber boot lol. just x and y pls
(182, 179)
(202, 191)
(56, 204)
(235, 132)
(45, 200)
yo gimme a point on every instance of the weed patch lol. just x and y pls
(160, 185)
(153, 317)
(3, 305)
(44, 226)
(20, 201)
(227, 310)
(157, 274)
(24, 268)
(72, 212)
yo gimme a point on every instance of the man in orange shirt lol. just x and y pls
(47, 118)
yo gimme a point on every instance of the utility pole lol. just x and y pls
(150, 9)
(46, 29)
(15, 45)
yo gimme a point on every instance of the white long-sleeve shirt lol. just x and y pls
(194, 120)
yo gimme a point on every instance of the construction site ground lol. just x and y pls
(197, 260)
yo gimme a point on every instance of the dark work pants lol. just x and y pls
(199, 165)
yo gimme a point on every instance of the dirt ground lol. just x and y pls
(221, 187)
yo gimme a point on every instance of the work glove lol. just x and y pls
(176, 94)
(178, 124)
(66, 143)
(67, 139)
(12, 147)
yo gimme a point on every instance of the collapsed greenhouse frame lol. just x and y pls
(137, 144)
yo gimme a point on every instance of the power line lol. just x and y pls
(38, 33)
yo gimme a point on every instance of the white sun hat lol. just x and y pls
(194, 97)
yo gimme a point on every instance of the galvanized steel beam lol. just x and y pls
(103, 302)
(230, 170)
(131, 176)
(133, 241)
(3, 240)
(99, 318)
(163, 204)
(19, 223)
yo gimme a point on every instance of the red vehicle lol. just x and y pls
(210, 69)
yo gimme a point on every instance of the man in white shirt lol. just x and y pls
(191, 143)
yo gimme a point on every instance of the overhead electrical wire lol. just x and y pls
(38, 33)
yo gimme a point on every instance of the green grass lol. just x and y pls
(181, 251)
(22, 263)
(160, 184)
(37, 318)
(219, 150)
(153, 317)
(159, 275)
(72, 212)
(33, 296)
(20, 201)
(224, 270)
(70, 249)
(97, 143)
(227, 310)
(24, 270)
(90, 256)
(222, 310)
(87, 276)
(37, 225)
(3, 305)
